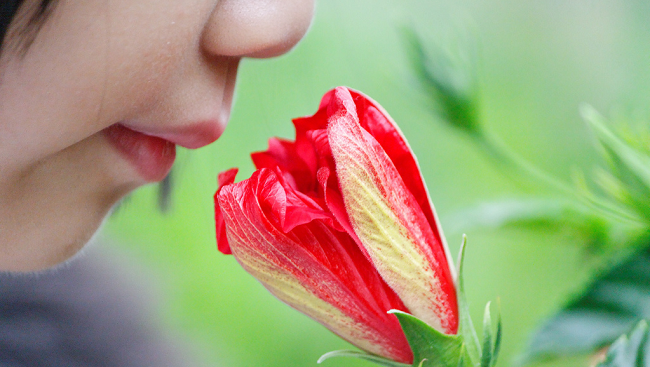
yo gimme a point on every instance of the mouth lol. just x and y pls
(152, 156)
(152, 150)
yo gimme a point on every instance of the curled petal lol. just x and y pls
(373, 118)
(392, 227)
(313, 267)
(224, 178)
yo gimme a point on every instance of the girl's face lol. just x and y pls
(94, 103)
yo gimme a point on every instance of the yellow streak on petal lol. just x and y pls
(250, 246)
(288, 289)
(401, 262)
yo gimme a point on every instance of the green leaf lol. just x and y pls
(431, 348)
(361, 355)
(609, 306)
(630, 350)
(497, 214)
(466, 326)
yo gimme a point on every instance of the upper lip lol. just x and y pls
(191, 136)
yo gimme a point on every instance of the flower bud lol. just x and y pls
(339, 225)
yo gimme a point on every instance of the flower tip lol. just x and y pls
(341, 102)
(224, 179)
(227, 177)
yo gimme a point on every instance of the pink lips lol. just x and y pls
(153, 152)
(194, 136)
(152, 156)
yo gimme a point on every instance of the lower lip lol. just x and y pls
(152, 156)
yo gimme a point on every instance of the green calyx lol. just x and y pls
(431, 348)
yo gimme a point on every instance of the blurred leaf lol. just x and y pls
(361, 355)
(449, 80)
(630, 166)
(512, 212)
(432, 348)
(606, 309)
(630, 350)
(594, 230)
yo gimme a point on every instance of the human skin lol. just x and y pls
(161, 68)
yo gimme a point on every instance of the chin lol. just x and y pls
(58, 205)
(59, 240)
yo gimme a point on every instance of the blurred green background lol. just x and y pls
(538, 61)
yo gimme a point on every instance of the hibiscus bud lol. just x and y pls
(339, 225)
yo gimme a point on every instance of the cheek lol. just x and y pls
(141, 70)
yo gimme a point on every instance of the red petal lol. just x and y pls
(368, 179)
(312, 258)
(283, 154)
(376, 120)
(224, 178)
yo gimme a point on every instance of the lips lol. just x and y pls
(153, 152)
(152, 156)
(192, 137)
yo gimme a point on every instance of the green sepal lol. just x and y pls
(430, 347)
(490, 348)
(497, 341)
(465, 325)
(361, 355)
(461, 359)
(630, 350)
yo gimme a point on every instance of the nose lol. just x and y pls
(256, 28)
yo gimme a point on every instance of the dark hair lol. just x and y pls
(8, 11)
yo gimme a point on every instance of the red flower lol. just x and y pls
(339, 225)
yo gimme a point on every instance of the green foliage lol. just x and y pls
(628, 183)
(620, 296)
(630, 350)
(544, 214)
(432, 348)
(607, 308)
